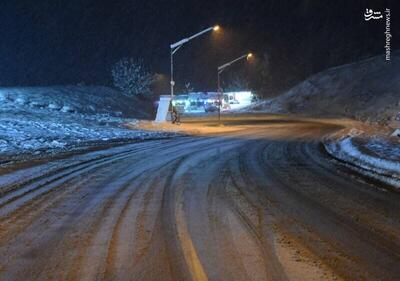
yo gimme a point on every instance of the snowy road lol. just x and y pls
(262, 203)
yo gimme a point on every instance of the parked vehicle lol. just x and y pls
(210, 107)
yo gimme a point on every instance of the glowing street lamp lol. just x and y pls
(176, 46)
(222, 68)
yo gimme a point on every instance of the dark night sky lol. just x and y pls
(71, 41)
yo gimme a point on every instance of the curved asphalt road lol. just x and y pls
(261, 203)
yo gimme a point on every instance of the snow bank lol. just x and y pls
(377, 158)
(41, 119)
(22, 135)
(396, 133)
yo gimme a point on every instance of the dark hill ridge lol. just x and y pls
(368, 90)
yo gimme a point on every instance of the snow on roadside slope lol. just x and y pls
(366, 90)
(85, 100)
(40, 120)
(375, 157)
(18, 136)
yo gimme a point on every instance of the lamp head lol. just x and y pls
(249, 56)
(216, 28)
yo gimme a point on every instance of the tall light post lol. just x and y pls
(220, 69)
(176, 46)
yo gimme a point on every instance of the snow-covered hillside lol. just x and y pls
(73, 99)
(36, 120)
(368, 90)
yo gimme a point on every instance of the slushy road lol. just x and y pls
(263, 202)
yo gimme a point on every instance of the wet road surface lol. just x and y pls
(264, 202)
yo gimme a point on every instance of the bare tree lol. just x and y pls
(238, 83)
(188, 88)
(131, 77)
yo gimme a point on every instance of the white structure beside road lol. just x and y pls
(162, 110)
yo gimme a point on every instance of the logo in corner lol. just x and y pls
(370, 14)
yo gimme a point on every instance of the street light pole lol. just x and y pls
(219, 97)
(219, 71)
(176, 46)
(172, 74)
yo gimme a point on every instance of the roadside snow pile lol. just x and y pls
(385, 149)
(376, 157)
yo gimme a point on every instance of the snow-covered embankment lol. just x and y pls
(43, 120)
(375, 157)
